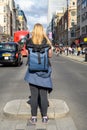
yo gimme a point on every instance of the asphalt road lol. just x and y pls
(69, 84)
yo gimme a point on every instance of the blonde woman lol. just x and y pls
(39, 86)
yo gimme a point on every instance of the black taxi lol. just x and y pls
(10, 53)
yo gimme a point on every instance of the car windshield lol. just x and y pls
(7, 47)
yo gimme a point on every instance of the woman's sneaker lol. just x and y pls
(45, 120)
(33, 120)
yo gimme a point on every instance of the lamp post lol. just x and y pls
(67, 27)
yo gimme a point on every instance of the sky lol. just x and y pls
(35, 11)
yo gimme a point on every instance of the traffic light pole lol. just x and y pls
(67, 27)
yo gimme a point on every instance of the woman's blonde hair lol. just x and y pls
(38, 34)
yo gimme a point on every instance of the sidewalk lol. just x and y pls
(80, 58)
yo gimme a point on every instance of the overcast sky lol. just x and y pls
(35, 11)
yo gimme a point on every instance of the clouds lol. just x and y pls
(35, 11)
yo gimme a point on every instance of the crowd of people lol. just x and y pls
(75, 50)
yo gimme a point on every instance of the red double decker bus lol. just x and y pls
(22, 37)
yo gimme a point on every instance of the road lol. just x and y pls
(69, 84)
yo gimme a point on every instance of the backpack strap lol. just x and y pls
(39, 59)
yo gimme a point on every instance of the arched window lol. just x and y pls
(73, 3)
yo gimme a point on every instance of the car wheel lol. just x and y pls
(18, 62)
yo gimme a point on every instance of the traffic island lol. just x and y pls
(21, 109)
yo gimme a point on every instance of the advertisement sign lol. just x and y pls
(85, 39)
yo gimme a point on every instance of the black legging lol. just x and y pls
(38, 98)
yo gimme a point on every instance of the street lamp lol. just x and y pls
(67, 27)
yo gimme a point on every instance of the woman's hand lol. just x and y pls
(50, 52)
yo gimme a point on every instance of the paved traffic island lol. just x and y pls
(20, 109)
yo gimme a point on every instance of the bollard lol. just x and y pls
(86, 54)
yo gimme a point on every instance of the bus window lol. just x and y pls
(22, 37)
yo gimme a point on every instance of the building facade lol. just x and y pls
(78, 21)
(55, 20)
(10, 21)
(67, 24)
(55, 6)
(83, 22)
(5, 16)
(72, 21)
(81, 30)
(22, 20)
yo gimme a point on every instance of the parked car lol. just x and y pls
(10, 53)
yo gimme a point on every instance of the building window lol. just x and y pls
(84, 16)
(78, 19)
(83, 30)
(84, 4)
(73, 3)
(72, 23)
(4, 19)
(4, 29)
(86, 29)
(1, 0)
(72, 33)
(4, 9)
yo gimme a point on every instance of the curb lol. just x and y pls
(79, 59)
(20, 109)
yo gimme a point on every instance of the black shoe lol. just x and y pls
(45, 120)
(28, 102)
(33, 120)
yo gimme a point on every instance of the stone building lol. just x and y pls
(67, 24)
(10, 22)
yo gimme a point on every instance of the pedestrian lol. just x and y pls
(57, 49)
(40, 85)
(78, 50)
